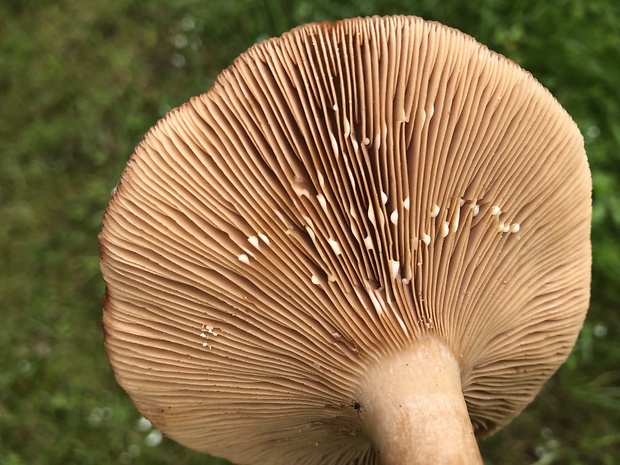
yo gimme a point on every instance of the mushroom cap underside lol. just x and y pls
(339, 193)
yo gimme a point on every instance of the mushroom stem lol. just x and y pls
(413, 408)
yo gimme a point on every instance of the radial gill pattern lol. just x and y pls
(340, 192)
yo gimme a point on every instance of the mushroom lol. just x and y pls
(367, 243)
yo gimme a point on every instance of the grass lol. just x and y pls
(81, 82)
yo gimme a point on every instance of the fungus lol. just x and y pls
(278, 289)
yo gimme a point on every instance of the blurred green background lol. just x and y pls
(82, 81)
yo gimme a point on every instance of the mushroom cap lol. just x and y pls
(339, 193)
